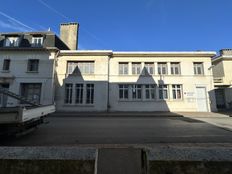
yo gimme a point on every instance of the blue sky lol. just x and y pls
(128, 25)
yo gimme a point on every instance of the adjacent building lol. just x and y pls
(222, 71)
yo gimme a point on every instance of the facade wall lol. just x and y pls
(187, 79)
(99, 79)
(18, 74)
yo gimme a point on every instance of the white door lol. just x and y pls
(201, 99)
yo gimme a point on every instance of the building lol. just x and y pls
(134, 81)
(27, 62)
(222, 72)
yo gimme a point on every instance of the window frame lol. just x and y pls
(175, 65)
(37, 38)
(136, 68)
(89, 88)
(197, 65)
(150, 88)
(162, 89)
(162, 66)
(68, 93)
(82, 67)
(148, 68)
(124, 66)
(6, 63)
(136, 92)
(30, 65)
(79, 93)
(175, 90)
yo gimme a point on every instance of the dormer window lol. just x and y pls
(12, 41)
(37, 41)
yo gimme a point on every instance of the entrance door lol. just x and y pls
(220, 98)
(3, 98)
(201, 99)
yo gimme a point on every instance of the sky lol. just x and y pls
(128, 25)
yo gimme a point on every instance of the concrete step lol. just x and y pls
(120, 161)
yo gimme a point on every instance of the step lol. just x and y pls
(120, 161)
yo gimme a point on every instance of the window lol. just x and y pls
(150, 92)
(136, 68)
(12, 42)
(162, 68)
(176, 92)
(149, 68)
(33, 65)
(80, 67)
(123, 68)
(79, 93)
(163, 92)
(6, 65)
(175, 68)
(37, 41)
(31, 91)
(68, 93)
(123, 91)
(136, 91)
(89, 93)
(198, 68)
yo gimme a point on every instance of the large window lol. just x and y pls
(33, 65)
(37, 41)
(68, 93)
(80, 67)
(12, 42)
(136, 91)
(123, 92)
(176, 92)
(198, 68)
(136, 68)
(162, 68)
(163, 92)
(89, 93)
(31, 91)
(149, 68)
(150, 92)
(123, 68)
(79, 94)
(6, 65)
(175, 68)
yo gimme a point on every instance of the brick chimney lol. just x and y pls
(69, 34)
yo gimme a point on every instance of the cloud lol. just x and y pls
(11, 25)
(14, 23)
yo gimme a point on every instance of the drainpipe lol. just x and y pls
(108, 84)
(53, 74)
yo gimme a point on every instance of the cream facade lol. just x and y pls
(134, 81)
(222, 72)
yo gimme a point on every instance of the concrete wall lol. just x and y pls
(19, 74)
(99, 79)
(187, 78)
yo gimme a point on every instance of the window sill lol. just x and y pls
(32, 72)
(5, 71)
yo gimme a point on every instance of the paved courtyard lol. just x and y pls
(71, 130)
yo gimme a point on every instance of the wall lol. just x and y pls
(18, 70)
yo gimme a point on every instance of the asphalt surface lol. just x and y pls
(120, 130)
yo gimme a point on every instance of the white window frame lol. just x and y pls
(196, 66)
(11, 41)
(124, 88)
(123, 68)
(35, 41)
(79, 93)
(161, 89)
(162, 66)
(84, 67)
(177, 89)
(68, 93)
(150, 88)
(149, 68)
(175, 66)
(136, 68)
(90, 91)
(135, 90)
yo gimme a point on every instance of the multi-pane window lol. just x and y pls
(136, 91)
(175, 68)
(31, 91)
(163, 92)
(33, 65)
(89, 93)
(6, 65)
(150, 92)
(68, 93)
(12, 42)
(37, 41)
(149, 68)
(123, 68)
(123, 92)
(80, 67)
(136, 68)
(198, 68)
(162, 68)
(176, 92)
(79, 94)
